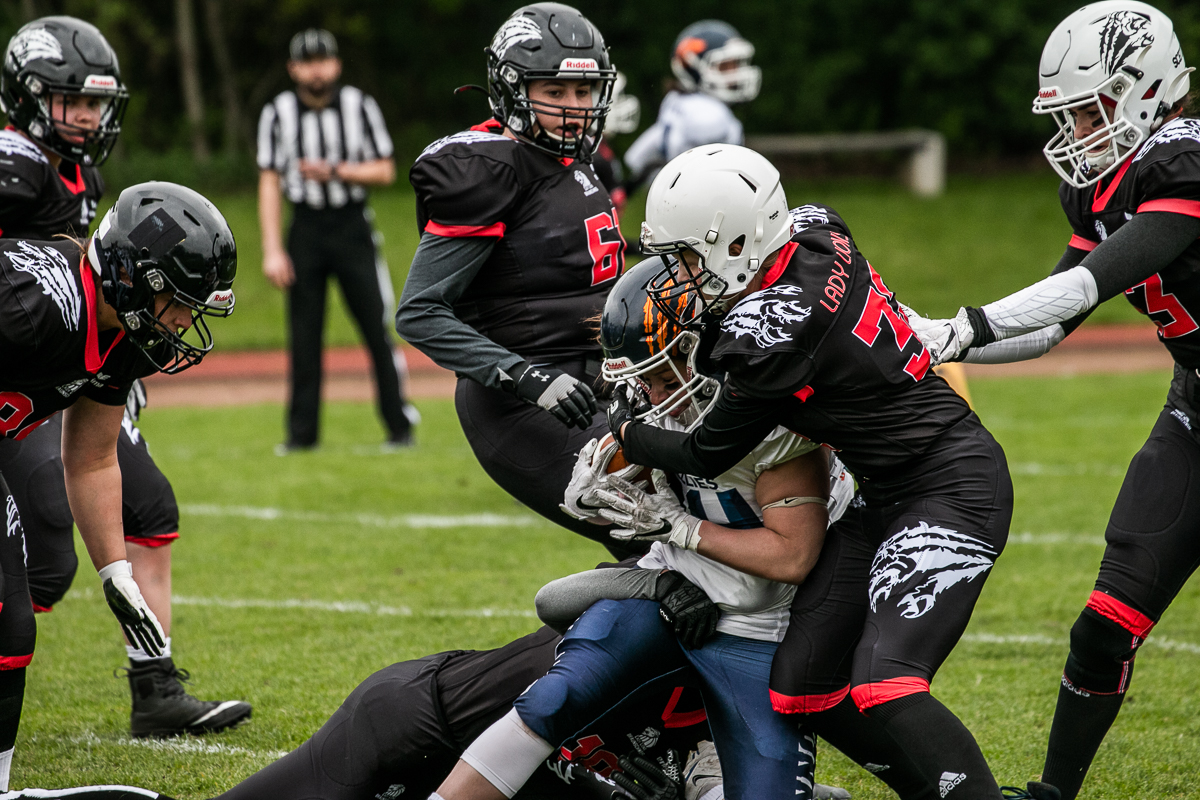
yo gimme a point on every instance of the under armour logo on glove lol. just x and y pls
(569, 400)
(538, 375)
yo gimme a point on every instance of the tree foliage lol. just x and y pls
(966, 68)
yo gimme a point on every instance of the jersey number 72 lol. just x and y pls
(870, 323)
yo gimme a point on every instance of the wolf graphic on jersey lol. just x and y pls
(53, 273)
(943, 557)
(1173, 131)
(765, 314)
(805, 217)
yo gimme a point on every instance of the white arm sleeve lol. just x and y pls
(1018, 348)
(648, 151)
(1055, 299)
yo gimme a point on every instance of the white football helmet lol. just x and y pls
(625, 111)
(705, 200)
(1123, 56)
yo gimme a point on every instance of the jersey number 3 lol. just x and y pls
(870, 324)
(1157, 302)
(606, 245)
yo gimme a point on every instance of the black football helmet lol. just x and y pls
(546, 41)
(639, 339)
(63, 56)
(162, 237)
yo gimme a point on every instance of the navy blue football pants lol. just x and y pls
(617, 646)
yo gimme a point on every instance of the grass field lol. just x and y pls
(298, 577)
(984, 238)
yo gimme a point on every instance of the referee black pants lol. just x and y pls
(337, 242)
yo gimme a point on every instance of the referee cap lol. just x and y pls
(313, 43)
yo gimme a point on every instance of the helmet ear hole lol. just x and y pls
(737, 245)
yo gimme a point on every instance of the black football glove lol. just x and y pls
(622, 410)
(642, 779)
(569, 400)
(686, 607)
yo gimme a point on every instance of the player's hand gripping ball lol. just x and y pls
(598, 459)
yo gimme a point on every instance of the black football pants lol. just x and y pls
(18, 631)
(337, 242)
(529, 452)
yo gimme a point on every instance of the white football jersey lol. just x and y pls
(751, 607)
(685, 120)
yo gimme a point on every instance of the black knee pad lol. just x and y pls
(1102, 653)
(50, 576)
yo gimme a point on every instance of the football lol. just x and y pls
(619, 462)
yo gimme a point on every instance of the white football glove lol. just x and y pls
(644, 517)
(589, 474)
(128, 606)
(945, 339)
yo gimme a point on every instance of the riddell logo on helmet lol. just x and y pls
(1046, 94)
(579, 63)
(100, 82)
(220, 298)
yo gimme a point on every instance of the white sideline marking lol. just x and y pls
(1066, 470)
(177, 745)
(351, 607)
(991, 638)
(1055, 538)
(370, 520)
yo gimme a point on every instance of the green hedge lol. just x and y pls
(964, 67)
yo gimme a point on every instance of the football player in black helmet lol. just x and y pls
(520, 244)
(164, 256)
(61, 86)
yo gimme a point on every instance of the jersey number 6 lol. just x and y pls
(14, 409)
(606, 245)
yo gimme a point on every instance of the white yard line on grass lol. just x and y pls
(350, 607)
(1153, 642)
(484, 520)
(177, 745)
(1055, 538)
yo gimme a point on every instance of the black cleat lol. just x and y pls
(1033, 791)
(161, 706)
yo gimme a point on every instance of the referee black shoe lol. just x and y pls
(161, 706)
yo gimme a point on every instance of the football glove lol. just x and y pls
(644, 517)
(642, 779)
(125, 599)
(588, 476)
(950, 339)
(570, 401)
(622, 410)
(686, 608)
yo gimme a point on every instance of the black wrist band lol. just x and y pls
(980, 327)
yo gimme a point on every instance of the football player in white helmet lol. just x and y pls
(1128, 150)
(711, 64)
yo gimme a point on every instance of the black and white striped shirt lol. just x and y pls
(350, 128)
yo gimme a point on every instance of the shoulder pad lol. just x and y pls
(1184, 129)
(806, 216)
(14, 144)
(464, 138)
(768, 317)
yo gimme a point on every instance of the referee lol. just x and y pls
(322, 145)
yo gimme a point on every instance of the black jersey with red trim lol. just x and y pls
(558, 245)
(825, 338)
(38, 201)
(1164, 175)
(51, 352)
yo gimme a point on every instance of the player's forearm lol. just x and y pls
(270, 211)
(94, 493)
(442, 269)
(767, 553)
(379, 172)
(1141, 248)
(1019, 348)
